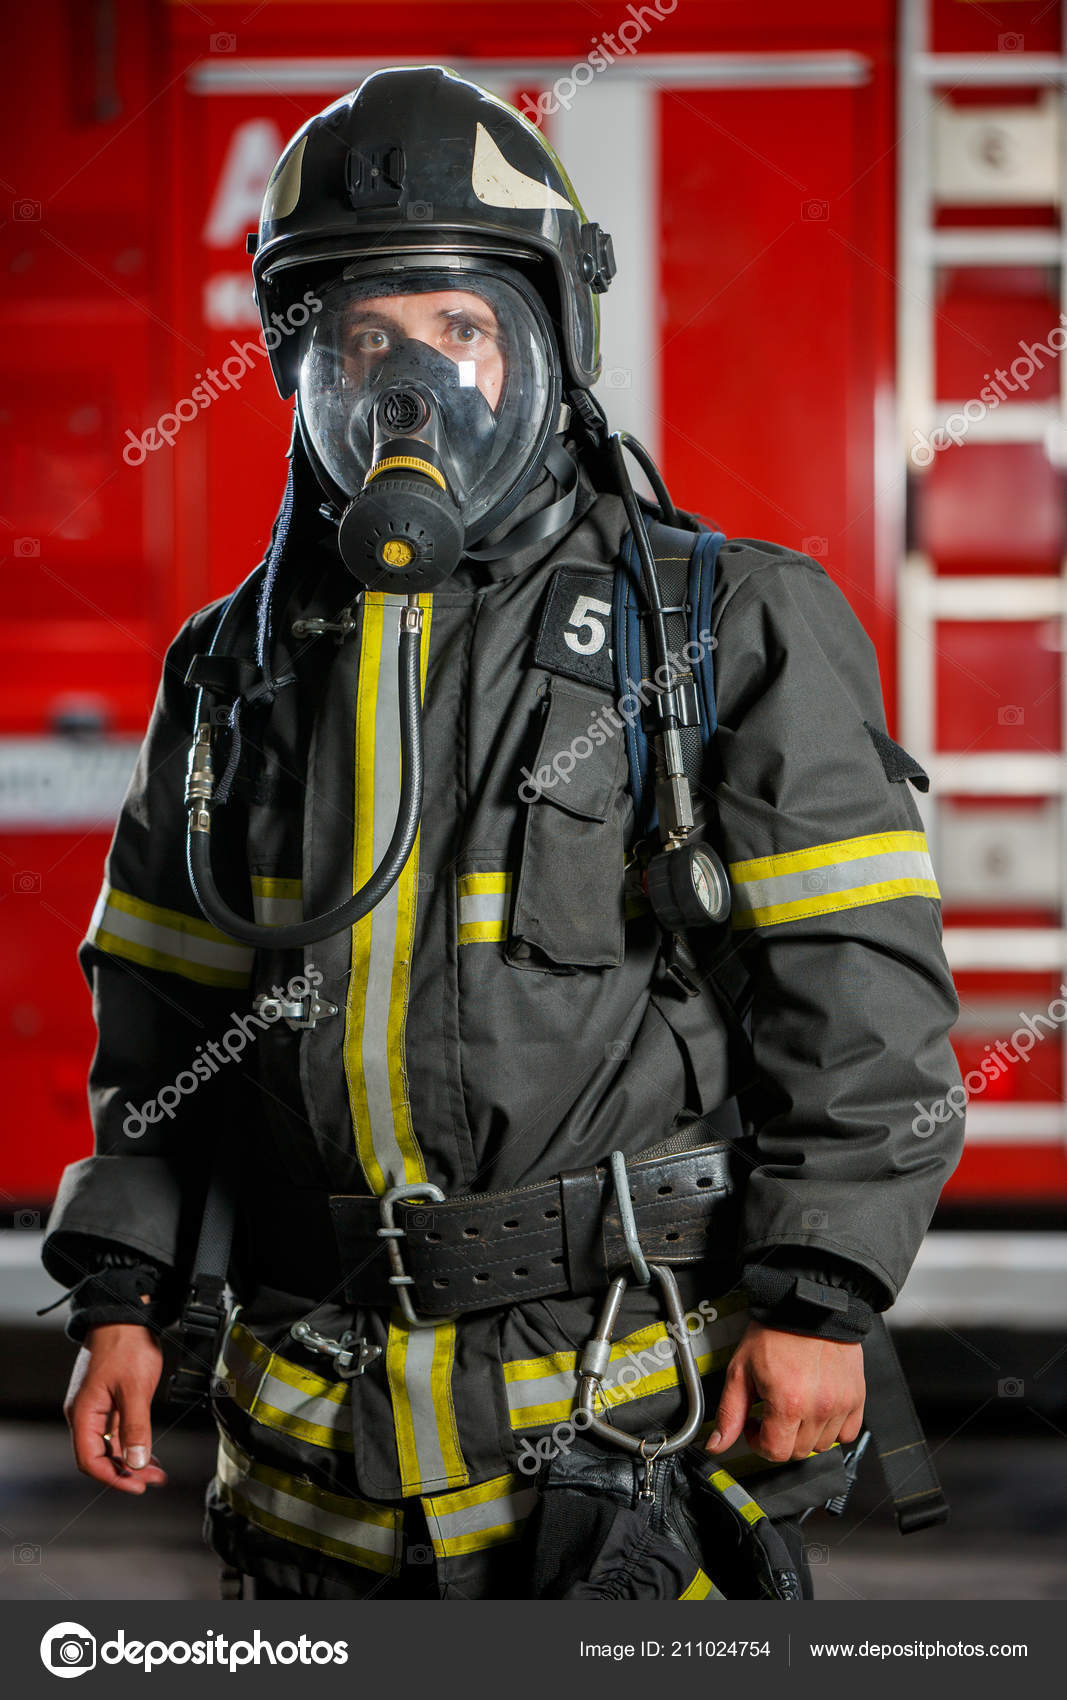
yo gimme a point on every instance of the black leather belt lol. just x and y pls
(563, 1235)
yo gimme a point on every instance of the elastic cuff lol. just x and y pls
(799, 1304)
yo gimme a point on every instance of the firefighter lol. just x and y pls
(400, 1009)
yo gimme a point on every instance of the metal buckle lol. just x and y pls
(596, 1356)
(351, 1353)
(390, 1233)
(295, 1012)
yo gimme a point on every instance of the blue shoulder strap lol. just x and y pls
(686, 562)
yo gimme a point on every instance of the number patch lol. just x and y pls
(575, 633)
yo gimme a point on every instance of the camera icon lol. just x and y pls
(815, 212)
(1010, 715)
(424, 882)
(423, 1220)
(618, 377)
(68, 1649)
(219, 716)
(816, 879)
(26, 212)
(817, 1554)
(27, 1220)
(24, 1553)
(223, 1387)
(1010, 1388)
(223, 42)
(419, 212)
(420, 1555)
(814, 1219)
(27, 548)
(26, 883)
(1010, 42)
(816, 546)
(616, 1050)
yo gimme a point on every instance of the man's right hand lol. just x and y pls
(109, 1406)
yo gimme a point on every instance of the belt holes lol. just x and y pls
(673, 1235)
(706, 1180)
(471, 1233)
(433, 1237)
(550, 1215)
(664, 1190)
(481, 1277)
(440, 1281)
(513, 1223)
(519, 1273)
(557, 1260)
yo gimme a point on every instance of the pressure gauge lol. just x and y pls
(688, 887)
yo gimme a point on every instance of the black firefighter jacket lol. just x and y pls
(503, 1015)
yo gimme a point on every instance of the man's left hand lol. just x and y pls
(812, 1391)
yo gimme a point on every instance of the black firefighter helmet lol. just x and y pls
(420, 161)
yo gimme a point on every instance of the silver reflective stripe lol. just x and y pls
(834, 877)
(483, 906)
(478, 1517)
(641, 1365)
(282, 1395)
(277, 902)
(334, 1523)
(167, 939)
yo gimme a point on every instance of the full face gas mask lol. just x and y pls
(427, 398)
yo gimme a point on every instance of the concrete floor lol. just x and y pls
(64, 1539)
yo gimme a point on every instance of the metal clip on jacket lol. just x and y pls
(596, 1357)
(392, 1235)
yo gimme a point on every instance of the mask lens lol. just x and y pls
(455, 359)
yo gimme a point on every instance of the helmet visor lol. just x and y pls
(463, 359)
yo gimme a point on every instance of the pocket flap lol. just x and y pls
(580, 756)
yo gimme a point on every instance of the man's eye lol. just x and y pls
(370, 341)
(466, 332)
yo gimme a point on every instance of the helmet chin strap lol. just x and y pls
(547, 521)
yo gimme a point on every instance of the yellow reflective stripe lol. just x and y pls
(479, 1517)
(167, 940)
(418, 1363)
(826, 855)
(482, 907)
(827, 878)
(283, 1395)
(699, 1588)
(277, 902)
(542, 1391)
(382, 939)
(736, 1496)
(344, 1527)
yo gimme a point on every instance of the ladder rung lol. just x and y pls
(983, 69)
(998, 597)
(1010, 422)
(1004, 247)
(1033, 948)
(1016, 1123)
(999, 773)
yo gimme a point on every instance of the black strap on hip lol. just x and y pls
(918, 1500)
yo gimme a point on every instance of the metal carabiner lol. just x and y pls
(400, 1280)
(596, 1357)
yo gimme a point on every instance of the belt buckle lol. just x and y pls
(400, 1280)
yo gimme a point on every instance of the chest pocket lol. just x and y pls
(568, 904)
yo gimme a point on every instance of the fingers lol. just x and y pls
(135, 1425)
(733, 1408)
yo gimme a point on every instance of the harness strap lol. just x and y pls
(918, 1500)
